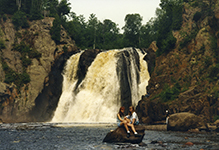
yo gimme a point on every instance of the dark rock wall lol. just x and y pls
(47, 101)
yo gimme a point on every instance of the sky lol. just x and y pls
(115, 10)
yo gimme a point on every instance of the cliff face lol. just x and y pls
(187, 78)
(17, 104)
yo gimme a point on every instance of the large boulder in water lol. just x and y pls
(120, 136)
(183, 122)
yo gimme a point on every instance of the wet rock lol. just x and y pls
(183, 122)
(150, 112)
(217, 123)
(189, 144)
(120, 136)
(142, 144)
(151, 56)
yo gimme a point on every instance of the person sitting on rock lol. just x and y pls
(124, 121)
(133, 119)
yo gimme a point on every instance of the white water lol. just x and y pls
(98, 97)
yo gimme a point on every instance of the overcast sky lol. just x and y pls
(115, 10)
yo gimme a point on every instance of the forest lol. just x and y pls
(94, 33)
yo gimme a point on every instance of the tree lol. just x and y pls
(19, 20)
(56, 29)
(91, 28)
(18, 2)
(76, 28)
(169, 18)
(148, 33)
(63, 8)
(132, 29)
(8, 7)
(36, 10)
(110, 34)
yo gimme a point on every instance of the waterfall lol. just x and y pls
(113, 78)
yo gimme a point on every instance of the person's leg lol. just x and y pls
(126, 126)
(132, 127)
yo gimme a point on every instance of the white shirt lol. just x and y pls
(134, 116)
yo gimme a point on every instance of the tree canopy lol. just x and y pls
(96, 34)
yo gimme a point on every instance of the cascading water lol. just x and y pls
(114, 78)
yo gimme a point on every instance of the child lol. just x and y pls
(121, 121)
(133, 117)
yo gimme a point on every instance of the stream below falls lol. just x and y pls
(89, 136)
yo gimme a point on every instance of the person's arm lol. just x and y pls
(134, 117)
(119, 117)
(133, 120)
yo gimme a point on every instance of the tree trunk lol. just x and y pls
(18, 2)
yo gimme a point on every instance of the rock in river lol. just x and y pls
(183, 122)
(120, 135)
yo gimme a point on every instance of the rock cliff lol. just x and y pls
(39, 96)
(187, 78)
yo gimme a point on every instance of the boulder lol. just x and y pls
(120, 136)
(183, 122)
(150, 112)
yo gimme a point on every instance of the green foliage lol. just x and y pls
(169, 18)
(4, 17)
(33, 53)
(2, 44)
(19, 20)
(65, 49)
(214, 47)
(132, 29)
(35, 10)
(197, 16)
(166, 44)
(216, 117)
(169, 94)
(177, 19)
(35, 15)
(63, 8)
(56, 29)
(195, 4)
(207, 61)
(188, 38)
(8, 7)
(214, 72)
(25, 78)
(13, 77)
(26, 53)
(202, 49)
(104, 35)
(25, 61)
(215, 92)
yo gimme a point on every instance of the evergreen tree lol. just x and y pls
(132, 29)
(56, 29)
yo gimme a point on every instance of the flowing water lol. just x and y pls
(98, 97)
(50, 136)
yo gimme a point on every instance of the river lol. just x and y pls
(76, 136)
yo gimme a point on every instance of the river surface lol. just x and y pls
(75, 136)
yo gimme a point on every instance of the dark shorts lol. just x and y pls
(118, 124)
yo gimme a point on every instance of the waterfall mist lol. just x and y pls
(114, 78)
